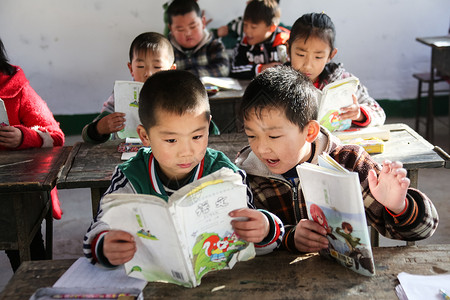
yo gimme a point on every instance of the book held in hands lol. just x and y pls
(126, 100)
(334, 200)
(332, 98)
(181, 240)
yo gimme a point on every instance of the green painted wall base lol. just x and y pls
(73, 124)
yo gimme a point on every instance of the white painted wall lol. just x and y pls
(72, 51)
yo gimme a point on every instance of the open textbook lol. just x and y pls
(332, 98)
(223, 83)
(334, 200)
(3, 114)
(181, 240)
(126, 100)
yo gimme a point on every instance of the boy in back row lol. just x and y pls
(279, 109)
(175, 117)
(264, 42)
(196, 49)
(150, 52)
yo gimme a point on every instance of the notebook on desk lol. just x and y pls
(83, 279)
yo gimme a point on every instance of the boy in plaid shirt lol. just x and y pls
(196, 50)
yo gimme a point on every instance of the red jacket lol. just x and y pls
(27, 111)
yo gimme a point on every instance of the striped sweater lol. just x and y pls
(138, 176)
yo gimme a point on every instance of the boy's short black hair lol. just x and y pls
(174, 91)
(182, 7)
(153, 41)
(267, 11)
(281, 88)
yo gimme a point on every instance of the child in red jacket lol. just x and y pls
(31, 125)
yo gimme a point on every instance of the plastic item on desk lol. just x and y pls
(372, 145)
(211, 89)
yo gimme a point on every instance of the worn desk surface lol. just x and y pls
(279, 275)
(91, 166)
(32, 169)
(26, 179)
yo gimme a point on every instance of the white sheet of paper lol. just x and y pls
(419, 287)
(83, 274)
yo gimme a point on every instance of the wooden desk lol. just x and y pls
(91, 166)
(225, 107)
(26, 179)
(440, 61)
(279, 275)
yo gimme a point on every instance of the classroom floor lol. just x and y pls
(69, 231)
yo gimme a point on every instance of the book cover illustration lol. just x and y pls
(332, 98)
(334, 200)
(3, 115)
(126, 100)
(181, 240)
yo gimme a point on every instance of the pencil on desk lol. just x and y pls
(91, 296)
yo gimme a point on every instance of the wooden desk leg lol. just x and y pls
(374, 237)
(413, 176)
(23, 238)
(96, 195)
(48, 226)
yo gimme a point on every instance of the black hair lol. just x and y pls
(151, 41)
(313, 24)
(182, 7)
(281, 88)
(5, 67)
(266, 11)
(173, 91)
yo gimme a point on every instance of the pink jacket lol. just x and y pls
(28, 112)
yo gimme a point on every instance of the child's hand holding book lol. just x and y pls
(309, 236)
(118, 247)
(250, 224)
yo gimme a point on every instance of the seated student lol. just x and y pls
(174, 111)
(263, 45)
(311, 49)
(279, 110)
(196, 50)
(233, 32)
(150, 52)
(31, 125)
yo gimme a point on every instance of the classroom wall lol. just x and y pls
(72, 51)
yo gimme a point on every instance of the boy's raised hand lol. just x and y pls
(309, 236)
(118, 247)
(251, 226)
(391, 186)
(111, 123)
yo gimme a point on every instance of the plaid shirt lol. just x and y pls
(374, 113)
(208, 58)
(275, 194)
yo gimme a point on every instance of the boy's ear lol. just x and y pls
(173, 67)
(142, 133)
(203, 22)
(332, 54)
(130, 68)
(313, 129)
